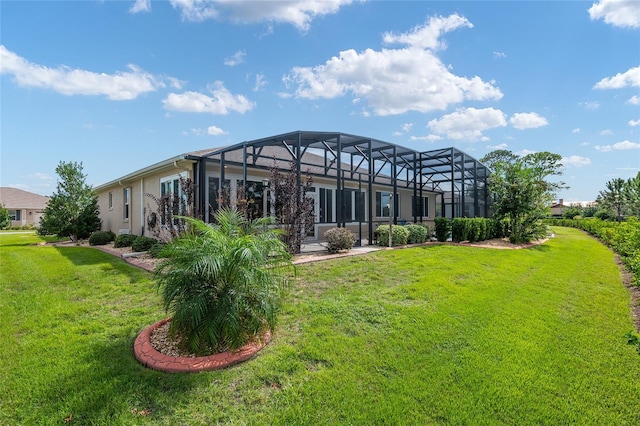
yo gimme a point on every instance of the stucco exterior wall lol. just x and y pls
(112, 213)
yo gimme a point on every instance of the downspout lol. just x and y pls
(142, 207)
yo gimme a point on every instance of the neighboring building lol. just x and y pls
(25, 208)
(353, 178)
(558, 209)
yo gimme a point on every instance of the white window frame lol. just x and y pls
(384, 205)
(126, 203)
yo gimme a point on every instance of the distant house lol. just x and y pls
(558, 209)
(354, 178)
(25, 208)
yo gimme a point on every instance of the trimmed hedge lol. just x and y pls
(100, 238)
(443, 228)
(417, 233)
(143, 243)
(399, 237)
(124, 240)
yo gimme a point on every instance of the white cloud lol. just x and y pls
(428, 36)
(576, 130)
(576, 160)
(499, 146)
(298, 13)
(406, 127)
(499, 55)
(222, 102)
(585, 144)
(195, 10)
(634, 123)
(620, 146)
(619, 13)
(235, 59)
(468, 123)
(592, 105)
(630, 78)
(527, 120)
(624, 145)
(525, 152)
(428, 138)
(634, 100)
(394, 81)
(41, 176)
(175, 83)
(141, 6)
(260, 82)
(125, 85)
(215, 131)
(606, 132)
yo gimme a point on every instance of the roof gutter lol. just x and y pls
(175, 162)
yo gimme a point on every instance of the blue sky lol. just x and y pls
(119, 85)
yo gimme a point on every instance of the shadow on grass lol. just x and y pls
(112, 386)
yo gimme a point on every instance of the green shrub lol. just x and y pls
(604, 215)
(100, 238)
(477, 229)
(417, 233)
(124, 240)
(443, 228)
(459, 229)
(339, 239)
(143, 243)
(399, 237)
(155, 250)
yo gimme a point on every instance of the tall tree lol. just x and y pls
(632, 195)
(521, 190)
(72, 211)
(613, 197)
(5, 218)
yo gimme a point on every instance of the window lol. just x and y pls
(173, 197)
(251, 194)
(14, 214)
(382, 204)
(110, 200)
(127, 200)
(420, 206)
(353, 205)
(326, 206)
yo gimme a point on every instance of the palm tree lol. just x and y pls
(223, 283)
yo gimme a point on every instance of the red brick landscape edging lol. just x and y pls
(150, 357)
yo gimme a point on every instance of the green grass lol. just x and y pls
(428, 335)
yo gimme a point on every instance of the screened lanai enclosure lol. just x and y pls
(355, 178)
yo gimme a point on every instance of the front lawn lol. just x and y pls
(428, 335)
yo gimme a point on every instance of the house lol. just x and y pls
(354, 178)
(558, 209)
(25, 208)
